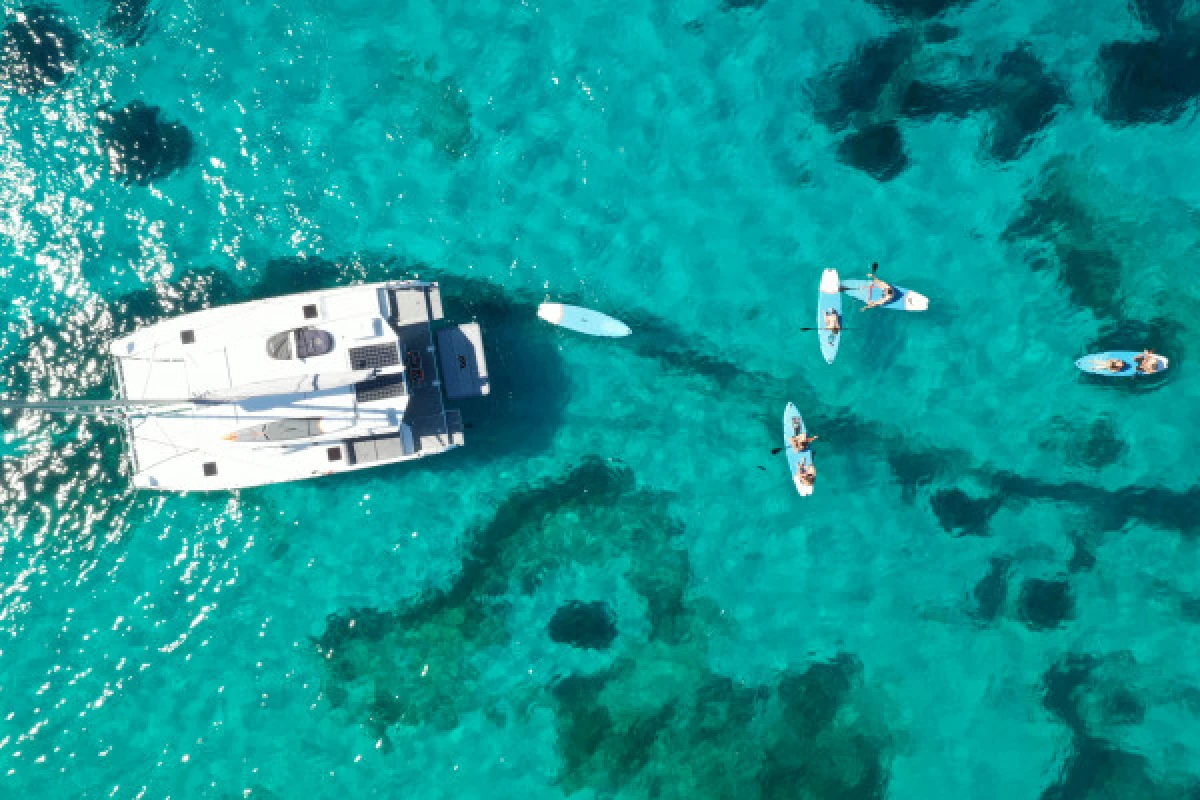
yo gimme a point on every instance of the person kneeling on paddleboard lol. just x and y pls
(1148, 362)
(833, 321)
(806, 474)
(887, 292)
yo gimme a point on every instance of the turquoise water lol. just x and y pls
(613, 590)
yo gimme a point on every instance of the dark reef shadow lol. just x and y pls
(1091, 695)
(38, 50)
(877, 150)
(991, 593)
(587, 626)
(918, 10)
(143, 146)
(1045, 604)
(125, 20)
(891, 78)
(1152, 81)
(848, 91)
(1030, 97)
(960, 514)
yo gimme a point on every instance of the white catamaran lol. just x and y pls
(292, 387)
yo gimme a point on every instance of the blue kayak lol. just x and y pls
(829, 297)
(1097, 364)
(793, 425)
(905, 299)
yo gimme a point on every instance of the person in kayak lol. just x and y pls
(1148, 362)
(833, 321)
(887, 292)
(806, 474)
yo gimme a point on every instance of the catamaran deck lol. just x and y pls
(293, 387)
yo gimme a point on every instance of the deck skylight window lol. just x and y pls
(299, 343)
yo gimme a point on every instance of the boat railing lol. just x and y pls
(125, 422)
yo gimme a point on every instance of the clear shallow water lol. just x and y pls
(991, 594)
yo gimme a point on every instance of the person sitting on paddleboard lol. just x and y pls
(801, 442)
(887, 292)
(833, 321)
(806, 474)
(1148, 362)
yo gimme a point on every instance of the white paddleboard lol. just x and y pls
(905, 300)
(584, 320)
(915, 301)
(829, 299)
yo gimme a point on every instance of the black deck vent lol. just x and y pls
(187, 337)
(334, 453)
(210, 468)
(310, 312)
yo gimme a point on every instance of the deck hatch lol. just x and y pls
(381, 388)
(374, 356)
(387, 447)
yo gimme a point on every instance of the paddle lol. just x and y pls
(777, 450)
(874, 271)
(822, 329)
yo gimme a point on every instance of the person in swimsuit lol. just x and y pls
(1148, 362)
(887, 292)
(833, 321)
(800, 442)
(806, 474)
(1115, 365)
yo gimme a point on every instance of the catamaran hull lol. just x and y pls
(295, 387)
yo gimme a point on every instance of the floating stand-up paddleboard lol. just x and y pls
(793, 425)
(584, 320)
(830, 297)
(905, 299)
(1097, 364)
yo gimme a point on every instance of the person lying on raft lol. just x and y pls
(1148, 362)
(800, 442)
(833, 321)
(806, 474)
(887, 292)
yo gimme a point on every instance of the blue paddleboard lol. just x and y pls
(583, 320)
(793, 425)
(905, 299)
(830, 297)
(1096, 364)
